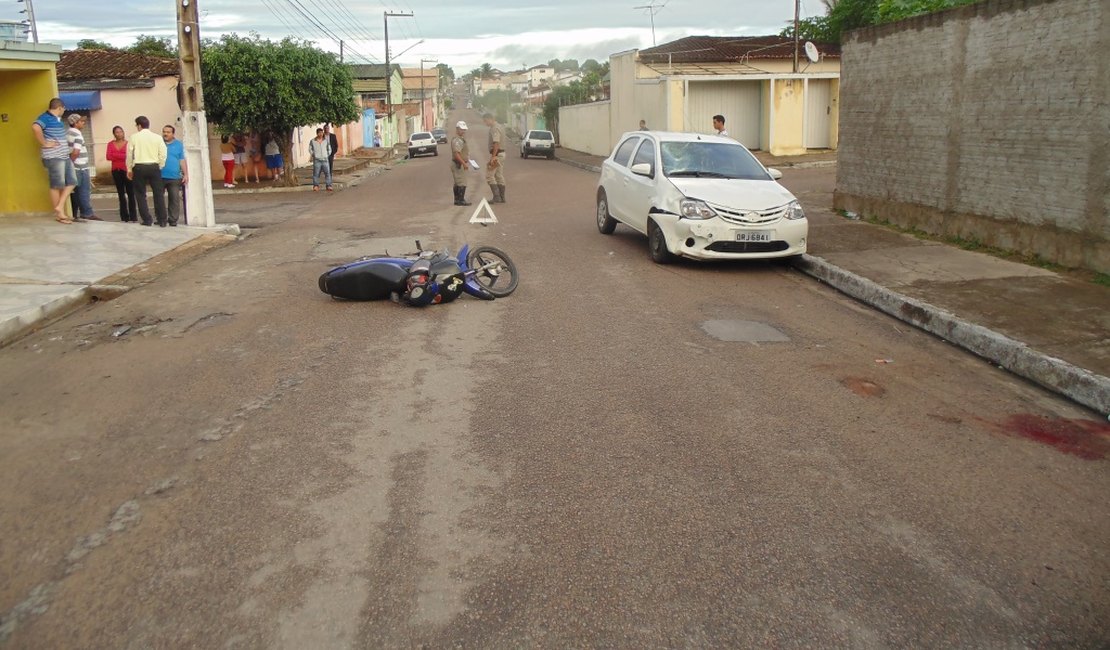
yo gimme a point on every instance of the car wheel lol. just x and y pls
(522, 154)
(657, 245)
(436, 152)
(605, 224)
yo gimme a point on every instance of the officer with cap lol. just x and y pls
(460, 160)
(495, 171)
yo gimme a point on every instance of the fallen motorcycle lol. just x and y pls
(424, 277)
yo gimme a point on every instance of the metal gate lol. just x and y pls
(818, 113)
(740, 102)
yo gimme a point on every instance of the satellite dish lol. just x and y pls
(811, 52)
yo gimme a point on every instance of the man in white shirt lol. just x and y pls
(719, 124)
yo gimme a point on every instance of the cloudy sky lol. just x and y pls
(506, 34)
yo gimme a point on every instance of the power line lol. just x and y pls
(304, 12)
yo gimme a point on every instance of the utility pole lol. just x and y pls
(423, 121)
(30, 11)
(797, 9)
(652, 10)
(386, 15)
(198, 192)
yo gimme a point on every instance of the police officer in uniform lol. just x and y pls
(495, 171)
(460, 160)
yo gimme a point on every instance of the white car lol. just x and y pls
(698, 196)
(538, 143)
(422, 142)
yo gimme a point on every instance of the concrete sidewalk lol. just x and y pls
(47, 270)
(1048, 327)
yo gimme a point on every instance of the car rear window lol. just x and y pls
(540, 135)
(420, 136)
(710, 160)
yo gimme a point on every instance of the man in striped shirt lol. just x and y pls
(50, 132)
(81, 199)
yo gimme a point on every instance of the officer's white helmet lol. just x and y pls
(461, 125)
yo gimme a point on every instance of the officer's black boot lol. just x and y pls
(455, 191)
(493, 189)
(461, 194)
(500, 193)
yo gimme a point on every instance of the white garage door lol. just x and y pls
(739, 101)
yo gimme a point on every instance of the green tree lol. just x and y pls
(154, 46)
(446, 73)
(487, 70)
(497, 102)
(590, 65)
(846, 15)
(303, 85)
(92, 44)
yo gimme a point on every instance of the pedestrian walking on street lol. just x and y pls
(81, 198)
(50, 132)
(117, 154)
(146, 156)
(495, 170)
(319, 149)
(460, 161)
(175, 174)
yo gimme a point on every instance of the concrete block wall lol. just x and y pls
(989, 121)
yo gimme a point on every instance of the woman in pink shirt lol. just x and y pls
(117, 153)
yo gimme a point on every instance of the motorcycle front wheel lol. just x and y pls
(493, 270)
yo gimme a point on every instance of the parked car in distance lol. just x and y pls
(538, 143)
(698, 196)
(422, 142)
(440, 135)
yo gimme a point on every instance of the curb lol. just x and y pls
(580, 165)
(1082, 386)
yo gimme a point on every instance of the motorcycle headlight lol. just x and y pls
(794, 211)
(694, 209)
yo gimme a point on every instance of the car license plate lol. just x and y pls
(754, 235)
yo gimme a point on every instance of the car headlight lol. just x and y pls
(695, 209)
(794, 211)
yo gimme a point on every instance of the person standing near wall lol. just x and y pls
(146, 156)
(117, 153)
(50, 132)
(333, 142)
(495, 170)
(81, 198)
(460, 160)
(227, 159)
(318, 150)
(175, 174)
(719, 124)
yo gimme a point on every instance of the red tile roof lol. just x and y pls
(714, 49)
(76, 65)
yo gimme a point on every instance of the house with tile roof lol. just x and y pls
(772, 99)
(112, 88)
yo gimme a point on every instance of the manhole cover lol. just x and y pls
(744, 331)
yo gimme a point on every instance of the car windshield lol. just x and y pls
(540, 135)
(710, 160)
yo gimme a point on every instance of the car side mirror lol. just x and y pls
(641, 169)
(775, 174)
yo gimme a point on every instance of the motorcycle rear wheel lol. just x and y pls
(501, 278)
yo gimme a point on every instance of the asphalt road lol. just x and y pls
(619, 454)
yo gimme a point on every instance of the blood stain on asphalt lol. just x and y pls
(1086, 439)
(863, 387)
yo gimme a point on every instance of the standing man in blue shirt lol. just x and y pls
(175, 175)
(51, 133)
